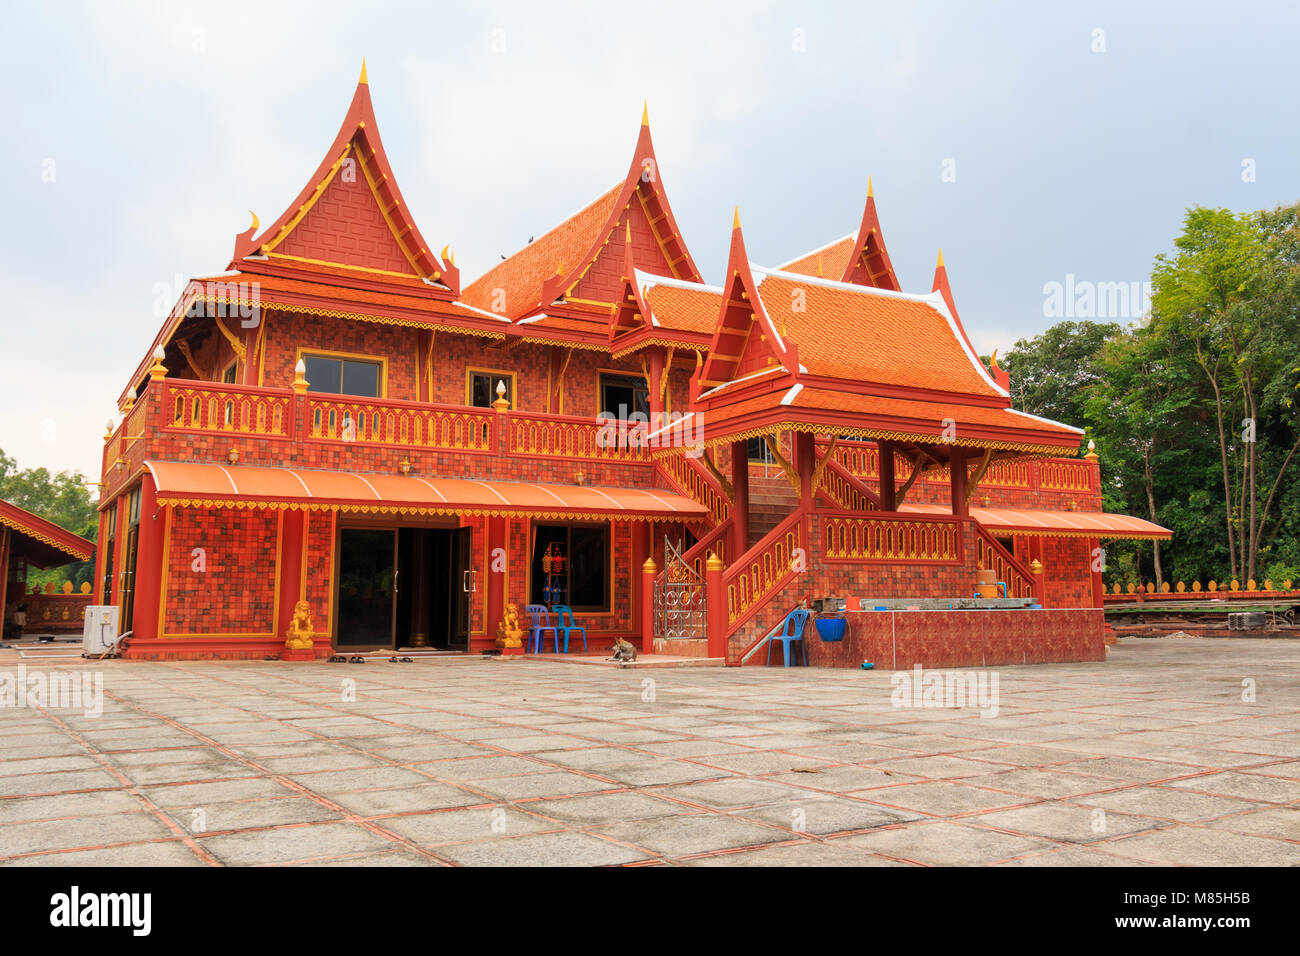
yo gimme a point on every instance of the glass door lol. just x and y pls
(367, 587)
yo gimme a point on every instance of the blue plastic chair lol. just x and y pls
(566, 625)
(791, 631)
(541, 619)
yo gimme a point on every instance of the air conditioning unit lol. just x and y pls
(99, 633)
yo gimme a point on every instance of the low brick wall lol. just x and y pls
(899, 640)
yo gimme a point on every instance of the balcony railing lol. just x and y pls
(875, 538)
(409, 424)
(179, 407)
(228, 409)
(862, 460)
(559, 436)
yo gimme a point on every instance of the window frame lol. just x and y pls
(603, 373)
(497, 374)
(304, 353)
(608, 528)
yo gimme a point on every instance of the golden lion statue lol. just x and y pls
(299, 635)
(509, 633)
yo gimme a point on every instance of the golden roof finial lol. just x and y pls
(363, 72)
(870, 191)
(735, 219)
(645, 112)
(256, 223)
(939, 264)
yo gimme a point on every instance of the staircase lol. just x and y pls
(771, 501)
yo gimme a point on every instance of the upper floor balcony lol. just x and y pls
(177, 419)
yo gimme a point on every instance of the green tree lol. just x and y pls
(64, 498)
(1051, 373)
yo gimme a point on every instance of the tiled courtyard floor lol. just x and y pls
(1150, 758)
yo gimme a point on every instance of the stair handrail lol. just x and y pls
(714, 497)
(1023, 576)
(774, 573)
(855, 485)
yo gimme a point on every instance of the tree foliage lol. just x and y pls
(1195, 410)
(62, 497)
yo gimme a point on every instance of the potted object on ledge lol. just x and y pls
(831, 625)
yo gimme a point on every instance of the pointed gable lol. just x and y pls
(941, 286)
(746, 341)
(576, 270)
(861, 259)
(350, 220)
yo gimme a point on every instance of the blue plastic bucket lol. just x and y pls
(831, 629)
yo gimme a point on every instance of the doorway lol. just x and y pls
(404, 588)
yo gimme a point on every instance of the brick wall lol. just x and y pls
(235, 593)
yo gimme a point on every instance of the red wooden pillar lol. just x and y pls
(250, 369)
(498, 570)
(293, 536)
(888, 485)
(805, 445)
(716, 594)
(957, 471)
(643, 587)
(1038, 568)
(149, 561)
(1094, 565)
(740, 502)
(657, 373)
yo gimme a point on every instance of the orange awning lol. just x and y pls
(1060, 524)
(241, 486)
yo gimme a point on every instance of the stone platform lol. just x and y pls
(899, 640)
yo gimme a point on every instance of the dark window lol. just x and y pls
(623, 396)
(342, 376)
(571, 566)
(758, 450)
(483, 388)
(228, 376)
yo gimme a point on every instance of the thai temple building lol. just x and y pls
(340, 419)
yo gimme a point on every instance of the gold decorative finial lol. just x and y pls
(628, 225)
(256, 222)
(363, 72)
(870, 191)
(939, 264)
(645, 113)
(735, 220)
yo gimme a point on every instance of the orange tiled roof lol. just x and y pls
(363, 302)
(522, 275)
(833, 258)
(680, 306)
(865, 334)
(873, 416)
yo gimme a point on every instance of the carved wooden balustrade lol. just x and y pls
(408, 424)
(883, 538)
(765, 568)
(692, 479)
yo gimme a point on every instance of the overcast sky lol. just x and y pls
(1029, 141)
